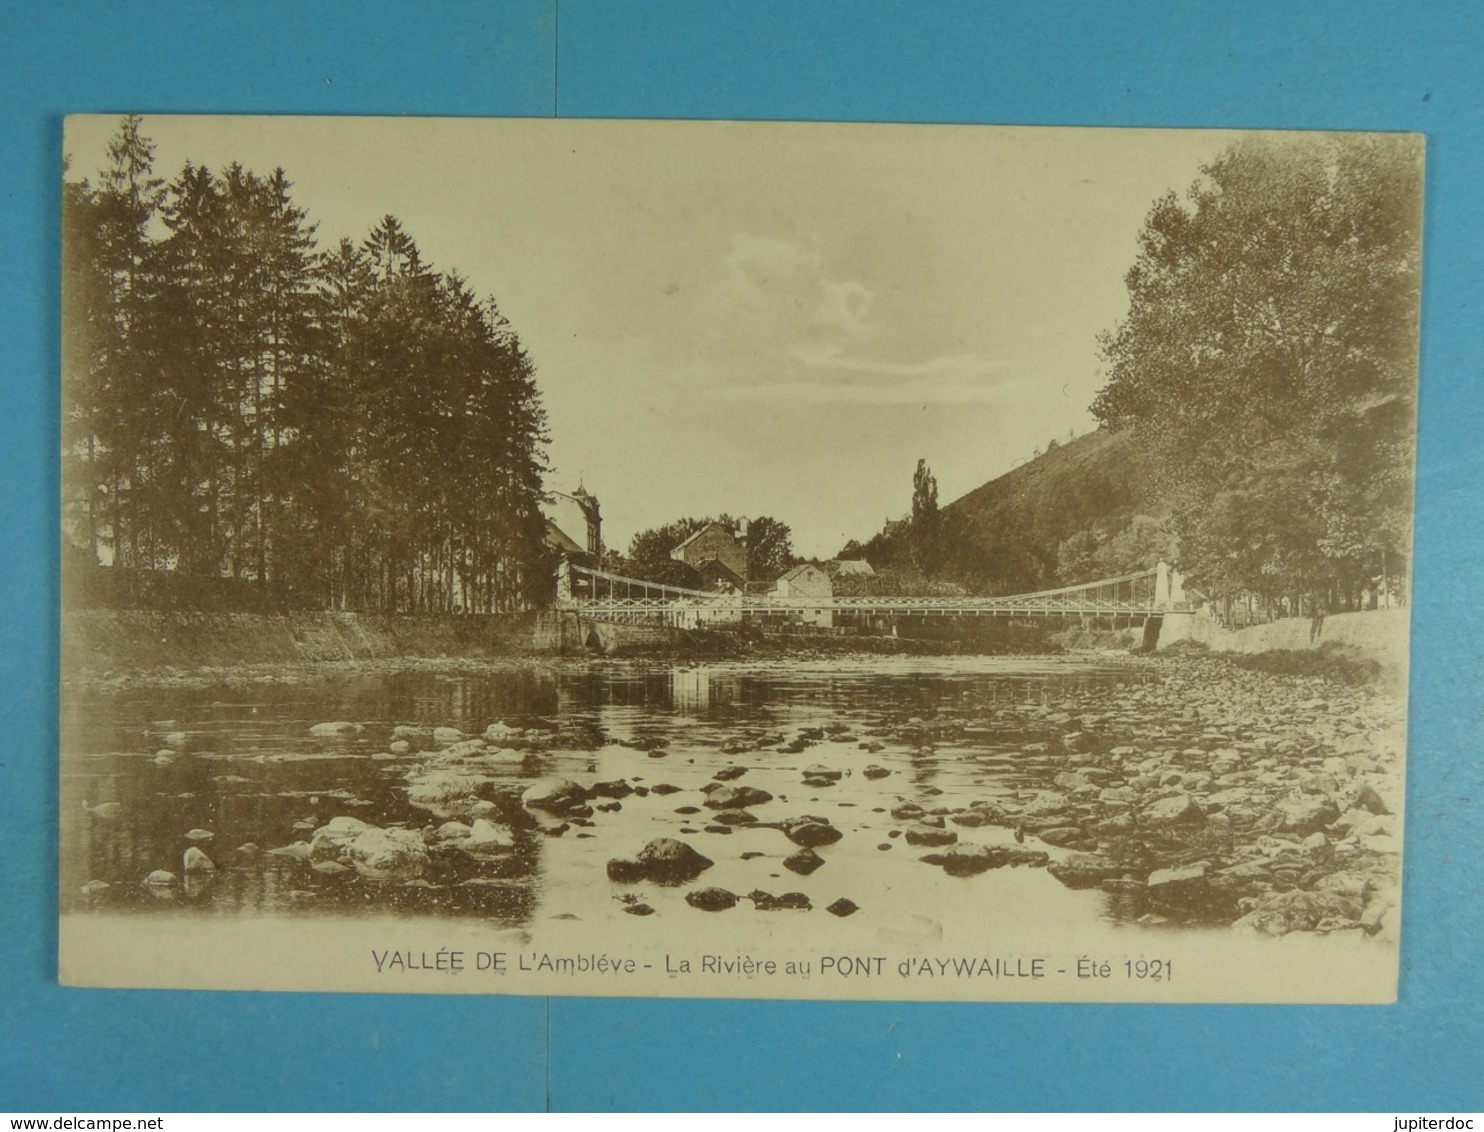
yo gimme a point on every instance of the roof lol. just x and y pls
(702, 531)
(799, 571)
(847, 566)
(561, 540)
(715, 570)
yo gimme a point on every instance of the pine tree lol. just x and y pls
(926, 528)
(125, 410)
(354, 429)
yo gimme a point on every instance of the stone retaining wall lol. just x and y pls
(1379, 632)
(103, 639)
(562, 631)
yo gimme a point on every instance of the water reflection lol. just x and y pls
(240, 763)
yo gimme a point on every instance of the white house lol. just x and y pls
(805, 582)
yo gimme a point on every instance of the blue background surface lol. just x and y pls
(1322, 65)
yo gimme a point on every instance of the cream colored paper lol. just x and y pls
(759, 319)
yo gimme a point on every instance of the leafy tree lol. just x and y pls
(1267, 365)
(1141, 545)
(769, 548)
(649, 553)
(1092, 553)
(1079, 558)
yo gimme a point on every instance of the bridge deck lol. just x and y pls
(1129, 595)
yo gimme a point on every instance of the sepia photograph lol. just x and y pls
(735, 559)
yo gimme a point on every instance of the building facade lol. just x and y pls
(716, 554)
(808, 581)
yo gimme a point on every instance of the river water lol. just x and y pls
(242, 766)
(1010, 810)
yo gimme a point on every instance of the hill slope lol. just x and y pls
(1083, 510)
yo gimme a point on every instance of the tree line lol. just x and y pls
(348, 427)
(1258, 417)
(768, 543)
(1267, 367)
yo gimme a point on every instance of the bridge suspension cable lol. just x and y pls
(601, 593)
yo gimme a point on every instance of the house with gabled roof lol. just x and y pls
(808, 581)
(718, 555)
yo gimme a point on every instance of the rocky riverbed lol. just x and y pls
(1180, 791)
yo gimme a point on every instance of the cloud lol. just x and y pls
(811, 332)
(943, 387)
(832, 357)
(787, 288)
(779, 322)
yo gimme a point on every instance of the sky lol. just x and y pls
(758, 318)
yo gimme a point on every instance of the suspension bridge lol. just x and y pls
(1131, 598)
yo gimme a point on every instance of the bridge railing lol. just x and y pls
(583, 588)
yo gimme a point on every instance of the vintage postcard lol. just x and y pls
(719, 559)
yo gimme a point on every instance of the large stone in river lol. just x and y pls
(711, 899)
(810, 832)
(458, 752)
(486, 835)
(804, 862)
(1045, 803)
(1062, 836)
(335, 729)
(788, 902)
(195, 861)
(331, 840)
(1084, 870)
(1178, 886)
(1284, 912)
(1177, 809)
(440, 787)
(732, 817)
(617, 788)
(622, 871)
(1307, 813)
(553, 794)
(389, 853)
(736, 797)
(970, 860)
(930, 835)
(1367, 799)
(668, 861)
